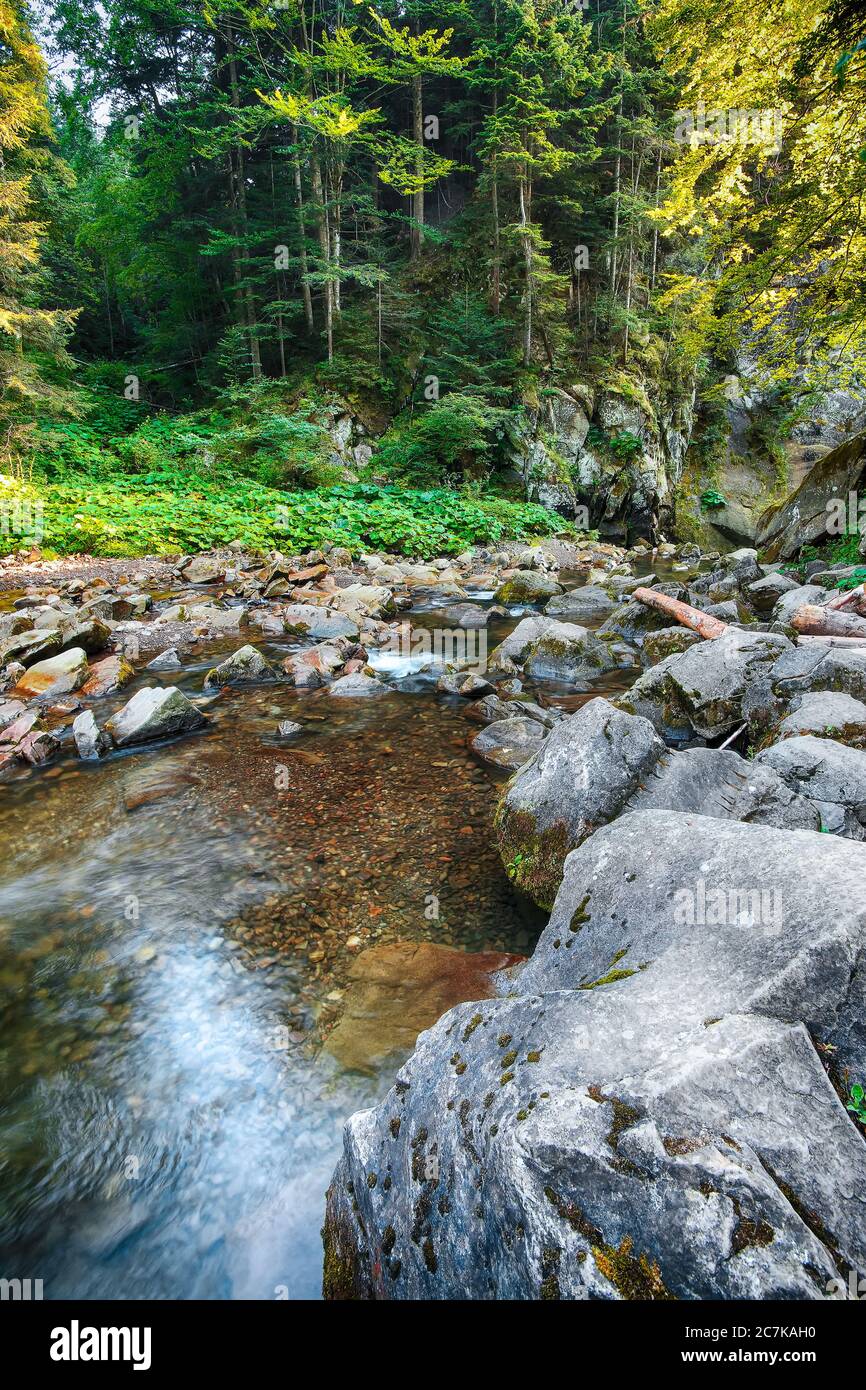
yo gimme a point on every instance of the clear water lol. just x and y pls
(173, 929)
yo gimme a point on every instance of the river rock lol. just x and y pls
(701, 691)
(243, 667)
(795, 598)
(107, 676)
(357, 686)
(830, 714)
(10, 711)
(830, 774)
(155, 712)
(321, 623)
(630, 622)
(763, 594)
(399, 989)
(586, 605)
(602, 762)
(166, 661)
(667, 642)
(90, 740)
(204, 569)
(57, 676)
(527, 586)
(645, 1114)
(509, 742)
(567, 653)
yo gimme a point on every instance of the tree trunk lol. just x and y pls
(299, 196)
(418, 196)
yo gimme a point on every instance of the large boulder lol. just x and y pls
(804, 517)
(602, 762)
(155, 712)
(830, 714)
(830, 774)
(644, 1115)
(323, 624)
(588, 604)
(701, 691)
(567, 653)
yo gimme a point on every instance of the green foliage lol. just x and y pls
(857, 1104)
(160, 514)
(456, 438)
(712, 498)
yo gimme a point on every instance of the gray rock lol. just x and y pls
(287, 728)
(90, 740)
(155, 712)
(830, 714)
(632, 621)
(586, 605)
(567, 653)
(468, 615)
(244, 666)
(667, 642)
(166, 661)
(702, 690)
(789, 602)
(204, 569)
(357, 686)
(765, 593)
(830, 774)
(527, 586)
(645, 1115)
(603, 762)
(509, 743)
(323, 624)
(510, 654)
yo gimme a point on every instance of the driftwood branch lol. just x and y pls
(699, 622)
(855, 596)
(827, 622)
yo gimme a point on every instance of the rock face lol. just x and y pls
(831, 775)
(803, 518)
(398, 989)
(602, 762)
(645, 1116)
(155, 712)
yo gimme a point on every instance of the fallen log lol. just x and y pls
(842, 600)
(703, 623)
(814, 620)
(832, 641)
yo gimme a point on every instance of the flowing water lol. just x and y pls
(173, 929)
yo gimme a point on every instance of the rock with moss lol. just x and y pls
(631, 622)
(245, 666)
(509, 742)
(527, 586)
(700, 692)
(667, 642)
(569, 654)
(588, 604)
(827, 714)
(646, 1114)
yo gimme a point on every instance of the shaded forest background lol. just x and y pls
(218, 219)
